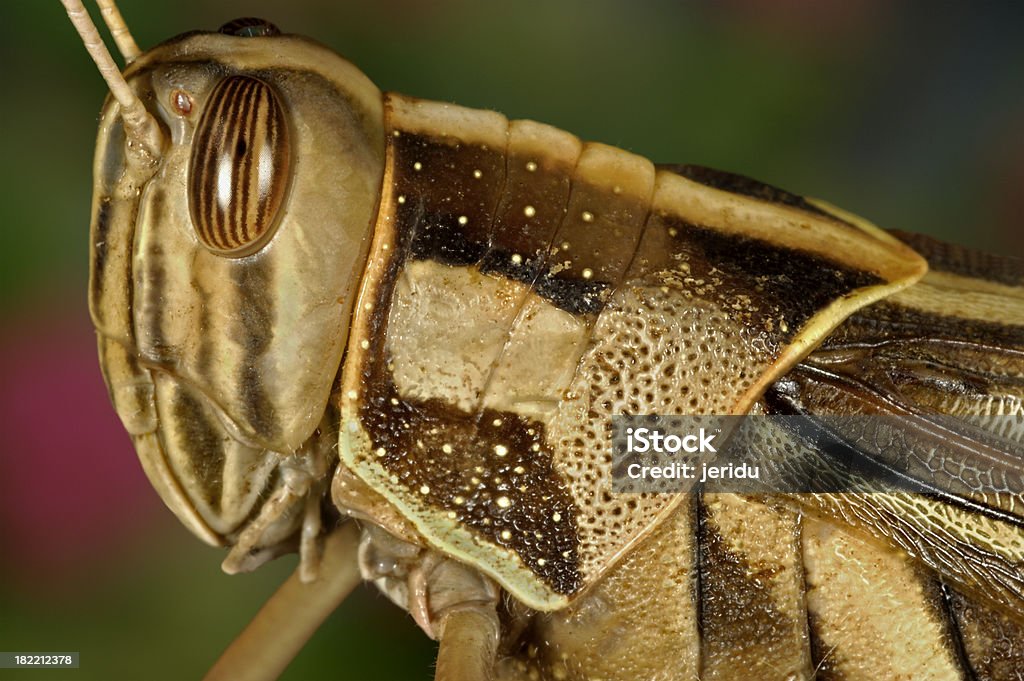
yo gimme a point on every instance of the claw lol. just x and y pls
(309, 544)
(242, 554)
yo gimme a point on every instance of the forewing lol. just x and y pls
(952, 345)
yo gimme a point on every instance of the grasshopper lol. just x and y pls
(391, 334)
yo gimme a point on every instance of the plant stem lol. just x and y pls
(290, 617)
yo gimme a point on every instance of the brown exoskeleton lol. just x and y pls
(314, 300)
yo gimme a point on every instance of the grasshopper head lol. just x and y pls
(236, 178)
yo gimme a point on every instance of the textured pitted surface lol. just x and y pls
(524, 288)
(655, 361)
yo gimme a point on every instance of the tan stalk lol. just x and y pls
(119, 29)
(292, 615)
(140, 126)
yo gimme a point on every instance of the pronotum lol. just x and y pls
(483, 295)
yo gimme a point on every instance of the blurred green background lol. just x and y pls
(909, 113)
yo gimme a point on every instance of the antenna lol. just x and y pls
(119, 30)
(140, 126)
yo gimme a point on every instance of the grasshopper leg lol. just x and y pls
(469, 642)
(461, 613)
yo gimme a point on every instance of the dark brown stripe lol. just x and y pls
(440, 238)
(256, 310)
(541, 181)
(446, 243)
(205, 441)
(208, 150)
(822, 652)
(99, 254)
(743, 185)
(233, 233)
(413, 436)
(153, 341)
(952, 629)
(436, 179)
(965, 261)
(412, 433)
(243, 147)
(205, 355)
(593, 247)
(444, 191)
(201, 162)
(740, 624)
(893, 323)
(261, 137)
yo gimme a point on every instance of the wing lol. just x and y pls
(953, 345)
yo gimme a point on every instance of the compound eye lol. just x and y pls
(250, 27)
(240, 167)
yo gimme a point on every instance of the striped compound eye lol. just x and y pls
(239, 169)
